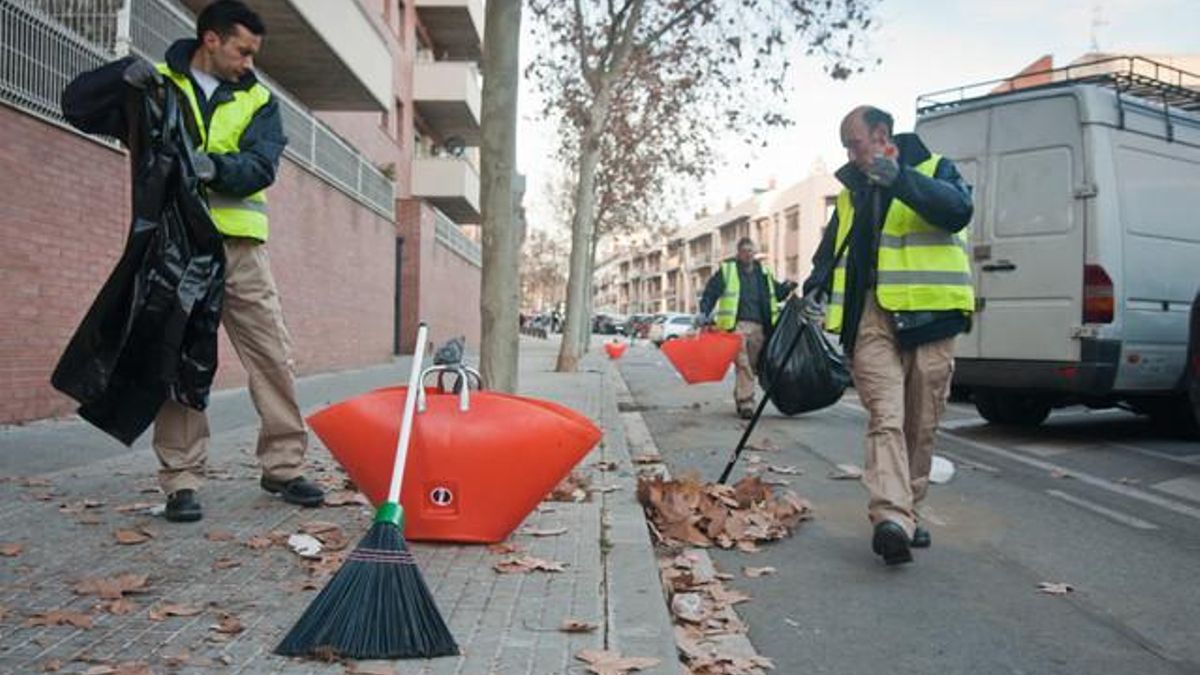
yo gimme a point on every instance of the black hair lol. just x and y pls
(745, 241)
(221, 16)
(873, 117)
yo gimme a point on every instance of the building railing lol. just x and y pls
(46, 43)
(450, 235)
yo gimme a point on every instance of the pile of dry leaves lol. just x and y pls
(689, 512)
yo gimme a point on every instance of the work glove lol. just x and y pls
(811, 307)
(141, 74)
(884, 170)
(206, 169)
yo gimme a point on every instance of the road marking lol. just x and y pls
(1094, 481)
(1122, 518)
(1187, 487)
(1187, 460)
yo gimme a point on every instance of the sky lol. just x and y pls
(925, 46)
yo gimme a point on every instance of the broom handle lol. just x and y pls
(410, 406)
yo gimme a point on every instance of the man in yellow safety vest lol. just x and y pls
(745, 297)
(899, 295)
(239, 141)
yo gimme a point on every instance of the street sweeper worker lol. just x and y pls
(746, 297)
(898, 298)
(239, 138)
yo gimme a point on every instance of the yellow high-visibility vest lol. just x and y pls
(727, 306)
(920, 268)
(233, 216)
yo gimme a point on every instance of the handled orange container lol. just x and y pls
(473, 475)
(615, 350)
(705, 357)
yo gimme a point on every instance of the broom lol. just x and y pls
(377, 605)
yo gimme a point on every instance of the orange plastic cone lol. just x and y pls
(703, 358)
(472, 476)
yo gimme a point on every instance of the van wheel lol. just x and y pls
(1011, 409)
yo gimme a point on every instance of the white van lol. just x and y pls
(1085, 240)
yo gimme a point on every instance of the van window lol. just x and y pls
(1159, 195)
(681, 321)
(1034, 193)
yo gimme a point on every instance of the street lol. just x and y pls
(1097, 500)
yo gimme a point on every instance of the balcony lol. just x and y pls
(449, 183)
(329, 55)
(447, 95)
(454, 26)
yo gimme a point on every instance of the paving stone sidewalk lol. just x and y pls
(61, 526)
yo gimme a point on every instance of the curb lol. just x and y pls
(638, 440)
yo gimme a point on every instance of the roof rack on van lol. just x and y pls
(1128, 75)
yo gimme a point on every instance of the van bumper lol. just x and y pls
(1093, 374)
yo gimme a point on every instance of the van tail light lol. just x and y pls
(1097, 295)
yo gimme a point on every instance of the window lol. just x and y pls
(681, 321)
(793, 266)
(793, 219)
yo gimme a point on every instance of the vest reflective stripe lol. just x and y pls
(233, 216)
(727, 306)
(920, 267)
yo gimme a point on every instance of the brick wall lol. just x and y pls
(63, 217)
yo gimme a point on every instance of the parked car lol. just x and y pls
(639, 325)
(672, 326)
(608, 324)
(1084, 246)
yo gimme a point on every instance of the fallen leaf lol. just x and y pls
(259, 542)
(576, 626)
(786, 470)
(544, 532)
(573, 488)
(30, 481)
(11, 550)
(113, 588)
(79, 506)
(161, 612)
(1059, 473)
(504, 548)
(605, 466)
(119, 607)
(605, 489)
(648, 458)
(103, 669)
(59, 617)
(131, 537)
(525, 564)
(1055, 588)
(305, 545)
(756, 572)
(346, 498)
(228, 624)
(220, 535)
(607, 662)
(846, 472)
(52, 666)
(226, 563)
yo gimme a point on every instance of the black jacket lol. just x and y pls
(95, 102)
(944, 200)
(716, 286)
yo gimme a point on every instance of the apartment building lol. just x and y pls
(669, 275)
(374, 215)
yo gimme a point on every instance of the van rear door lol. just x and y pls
(1030, 255)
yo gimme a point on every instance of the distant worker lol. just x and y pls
(746, 297)
(899, 297)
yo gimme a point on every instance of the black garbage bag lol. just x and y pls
(152, 330)
(816, 373)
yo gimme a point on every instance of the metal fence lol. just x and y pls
(45, 43)
(451, 236)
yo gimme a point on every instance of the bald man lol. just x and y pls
(898, 298)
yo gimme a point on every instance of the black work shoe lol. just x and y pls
(182, 507)
(298, 490)
(745, 413)
(921, 538)
(891, 542)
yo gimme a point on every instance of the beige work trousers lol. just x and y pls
(746, 362)
(253, 319)
(904, 392)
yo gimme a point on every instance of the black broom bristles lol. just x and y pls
(376, 606)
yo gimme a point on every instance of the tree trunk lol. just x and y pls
(500, 284)
(578, 324)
